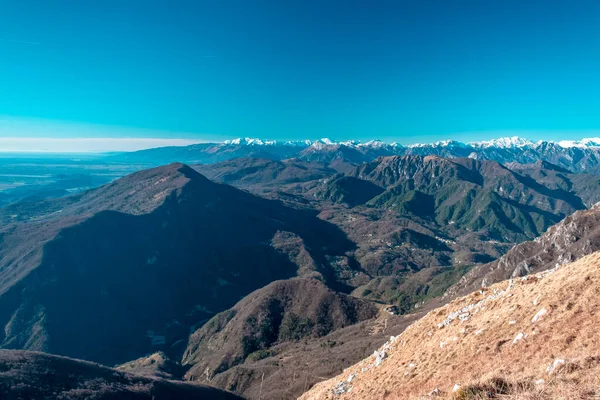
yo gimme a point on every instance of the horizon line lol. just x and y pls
(106, 145)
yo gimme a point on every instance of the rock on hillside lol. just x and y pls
(33, 375)
(127, 269)
(284, 311)
(535, 334)
(574, 237)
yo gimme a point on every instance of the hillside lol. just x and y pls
(157, 365)
(418, 222)
(33, 375)
(533, 336)
(572, 238)
(436, 218)
(129, 268)
(263, 175)
(348, 190)
(283, 311)
(476, 195)
(137, 266)
(283, 337)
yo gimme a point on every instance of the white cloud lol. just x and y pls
(85, 145)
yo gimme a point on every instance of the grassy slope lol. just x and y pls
(497, 337)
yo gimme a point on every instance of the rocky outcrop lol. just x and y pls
(574, 237)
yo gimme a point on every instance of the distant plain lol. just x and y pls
(30, 177)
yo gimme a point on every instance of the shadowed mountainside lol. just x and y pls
(34, 375)
(131, 267)
(267, 174)
(474, 194)
(283, 311)
(285, 336)
(419, 223)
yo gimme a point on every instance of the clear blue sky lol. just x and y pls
(413, 70)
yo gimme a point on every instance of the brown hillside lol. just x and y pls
(284, 311)
(572, 238)
(132, 267)
(534, 336)
(293, 367)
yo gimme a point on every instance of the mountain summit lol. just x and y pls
(129, 268)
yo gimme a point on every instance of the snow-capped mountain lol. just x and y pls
(503, 143)
(261, 142)
(583, 143)
(441, 143)
(575, 155)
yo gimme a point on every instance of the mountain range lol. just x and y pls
(413, 218)
(577, 156)
(266, 276)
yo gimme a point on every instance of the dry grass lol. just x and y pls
(573, 383)
(484, 345)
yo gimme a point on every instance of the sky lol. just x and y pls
(404, 70)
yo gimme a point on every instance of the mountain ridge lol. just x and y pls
(576, 155)
(137, 262)
(35, 375)
(572, 238)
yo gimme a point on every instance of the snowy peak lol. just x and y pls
(250, 142)
(574, 155)
(440, 143)
(511, 142)
(326, 141)
(503, 143)
(583, 143)
(378, 144)
(262, 142)
(322, 144)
